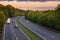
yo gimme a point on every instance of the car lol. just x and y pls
(8, 21)
(13, 21)
(16, 26)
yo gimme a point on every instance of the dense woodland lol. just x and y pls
(8, 11)
(50, 18)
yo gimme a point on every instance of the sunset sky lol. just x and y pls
(32, 5)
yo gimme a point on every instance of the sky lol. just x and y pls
(38, 0)
(32, 5)
(31, 0)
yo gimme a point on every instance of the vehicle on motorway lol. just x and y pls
(8, 21)
(16, 26)
(13, 21)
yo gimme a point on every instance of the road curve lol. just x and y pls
(19, 33)
(40, 31)
(12, 33)
(8, 33)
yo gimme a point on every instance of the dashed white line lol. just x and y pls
(27, 21)
(36, 33)
(14, 34)
(53, 36)
(23, 32)
(45, 32)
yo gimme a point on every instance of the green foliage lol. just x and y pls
(19, 12)
(8, 11)
(58, 7)
(32, 35)
(2, 19)
(49, 18)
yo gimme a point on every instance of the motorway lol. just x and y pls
(40, 31)
(12, 33)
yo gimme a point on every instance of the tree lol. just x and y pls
(2, 19)
(10, 10)
(58, 7)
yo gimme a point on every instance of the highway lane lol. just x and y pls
(8, 34)
(19, 33)
(40, 31)
(12, 33)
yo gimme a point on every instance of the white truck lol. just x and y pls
(8, 21)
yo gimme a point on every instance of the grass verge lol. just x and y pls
(32, 35)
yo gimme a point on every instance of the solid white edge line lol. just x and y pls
(14, 34)
(4, 32)
(35, 33)
(23, 32)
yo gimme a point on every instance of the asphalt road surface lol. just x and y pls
(40, 31)
(12, 33)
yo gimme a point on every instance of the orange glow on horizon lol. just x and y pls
(31, 4)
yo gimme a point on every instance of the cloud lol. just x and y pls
(32, 5)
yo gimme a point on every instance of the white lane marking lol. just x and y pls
(36, 33)
(53, 36)
(14, 33)
(15, 36)
(45, 32)
(4, 32)
(23, 32)
(27, 21)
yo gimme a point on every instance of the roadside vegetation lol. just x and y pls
(8, 11)
(29, 33)
(50, 18)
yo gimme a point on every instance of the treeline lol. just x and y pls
(2, 17)
(7, 12)
(49, 18)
